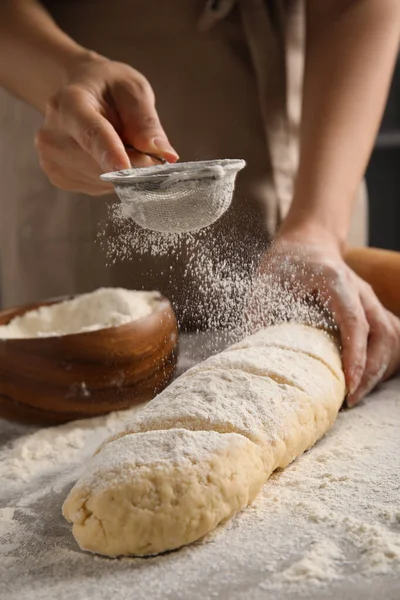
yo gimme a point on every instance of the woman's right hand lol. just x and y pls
(103, 106)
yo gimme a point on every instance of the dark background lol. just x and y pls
(383, 176)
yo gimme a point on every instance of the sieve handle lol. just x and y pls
(157, 158)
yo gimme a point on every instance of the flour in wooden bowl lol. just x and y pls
(103, 308)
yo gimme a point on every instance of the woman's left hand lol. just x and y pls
(370, 334)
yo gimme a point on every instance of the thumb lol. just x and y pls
(140, 122)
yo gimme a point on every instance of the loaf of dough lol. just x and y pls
(149, 492)
(202, 449)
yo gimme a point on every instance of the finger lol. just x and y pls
(141, 125)
(67, 166)
(380, 345)
(394, 362)
(74, 113)
(75, 183)
(138, 159)
(350, 317)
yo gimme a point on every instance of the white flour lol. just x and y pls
(223, 290)
(106, 307)
(326, 527)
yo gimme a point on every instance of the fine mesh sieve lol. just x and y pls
(176, 198)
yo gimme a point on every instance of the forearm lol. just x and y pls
(36, 54)
(351, 50)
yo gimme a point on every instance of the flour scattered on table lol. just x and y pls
(329, 521)
(317, 565)
(6, 519)
(105, 307)
(44, 451)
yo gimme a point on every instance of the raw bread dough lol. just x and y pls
(148, 492)
(201, 450)
(280, 365)
(225, 401)
(314, 342)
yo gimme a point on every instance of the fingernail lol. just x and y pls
(162, 145)
(354, 379)
(350, 403)
(352, 388)
(114, 163)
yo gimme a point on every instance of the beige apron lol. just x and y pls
(227, 78)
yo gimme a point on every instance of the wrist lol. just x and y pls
(40, 56)
(309, 231)
(59, 69)
(315, 213)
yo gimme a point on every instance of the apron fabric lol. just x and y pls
(227, 78)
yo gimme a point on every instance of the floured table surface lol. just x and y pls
(326, 527)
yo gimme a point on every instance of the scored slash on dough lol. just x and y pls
(304, 339)
(202, 449)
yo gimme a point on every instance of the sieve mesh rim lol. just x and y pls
(201, 169)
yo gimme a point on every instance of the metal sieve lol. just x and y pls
(176, 198)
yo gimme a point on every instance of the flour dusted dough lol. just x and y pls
(284, 366)
(201, 450)
(148, 492)
(300, 338)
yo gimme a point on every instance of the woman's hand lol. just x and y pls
(102, 106)
(370, 334)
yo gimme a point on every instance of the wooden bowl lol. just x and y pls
(59, 379)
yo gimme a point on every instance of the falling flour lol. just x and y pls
(327, 526)
(225, 290)
(106, 307)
